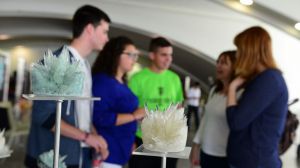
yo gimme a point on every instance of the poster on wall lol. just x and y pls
(4, 76)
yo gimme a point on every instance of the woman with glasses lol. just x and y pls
(116, 115)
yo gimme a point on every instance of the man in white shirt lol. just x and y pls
(90, 32)
(193, 97)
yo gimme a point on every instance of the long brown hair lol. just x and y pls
(253, 47)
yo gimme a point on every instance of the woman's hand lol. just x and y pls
(195, 155)
(236, 83)
(233, 86)
(139, 113)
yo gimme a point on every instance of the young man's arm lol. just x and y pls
(43, 114)
(94, 140)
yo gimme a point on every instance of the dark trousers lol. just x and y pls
(194, 110)
(209, 161)
(137, 161)
(87, 153)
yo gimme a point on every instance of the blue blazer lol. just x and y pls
(257, 122)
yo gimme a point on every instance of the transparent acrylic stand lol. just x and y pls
(59, 100)
(180, 155)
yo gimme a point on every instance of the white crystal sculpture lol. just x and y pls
(165, 131)
(45, 160)
(4, 149)
(57, 75)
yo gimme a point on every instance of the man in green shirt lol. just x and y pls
(156, 86)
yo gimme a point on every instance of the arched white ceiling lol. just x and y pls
(199, 24)
(288, 8)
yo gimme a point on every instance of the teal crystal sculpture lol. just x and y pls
(45, 160)
(57, 75)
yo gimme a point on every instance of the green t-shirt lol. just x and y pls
(156, 89)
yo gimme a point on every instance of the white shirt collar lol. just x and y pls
(75, 53)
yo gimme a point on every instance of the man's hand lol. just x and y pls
(97, 142)
(104, 153)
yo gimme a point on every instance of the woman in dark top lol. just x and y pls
(256, 120)
(116, 115)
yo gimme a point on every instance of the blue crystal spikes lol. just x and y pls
(45, 160)
(57, 75)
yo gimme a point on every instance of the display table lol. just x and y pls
(59, 100)
(180, 155)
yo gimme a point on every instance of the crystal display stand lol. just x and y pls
(180, 155)
(5, 155)
(59, 100)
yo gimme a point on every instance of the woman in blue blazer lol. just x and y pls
(257, 119)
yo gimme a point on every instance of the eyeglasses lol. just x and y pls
(132, 55)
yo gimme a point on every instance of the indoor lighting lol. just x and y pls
(4, 37)
(297, 26)
(246, 2)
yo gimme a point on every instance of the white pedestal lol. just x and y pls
(59, 100)
(180, 155)
(5, 155)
